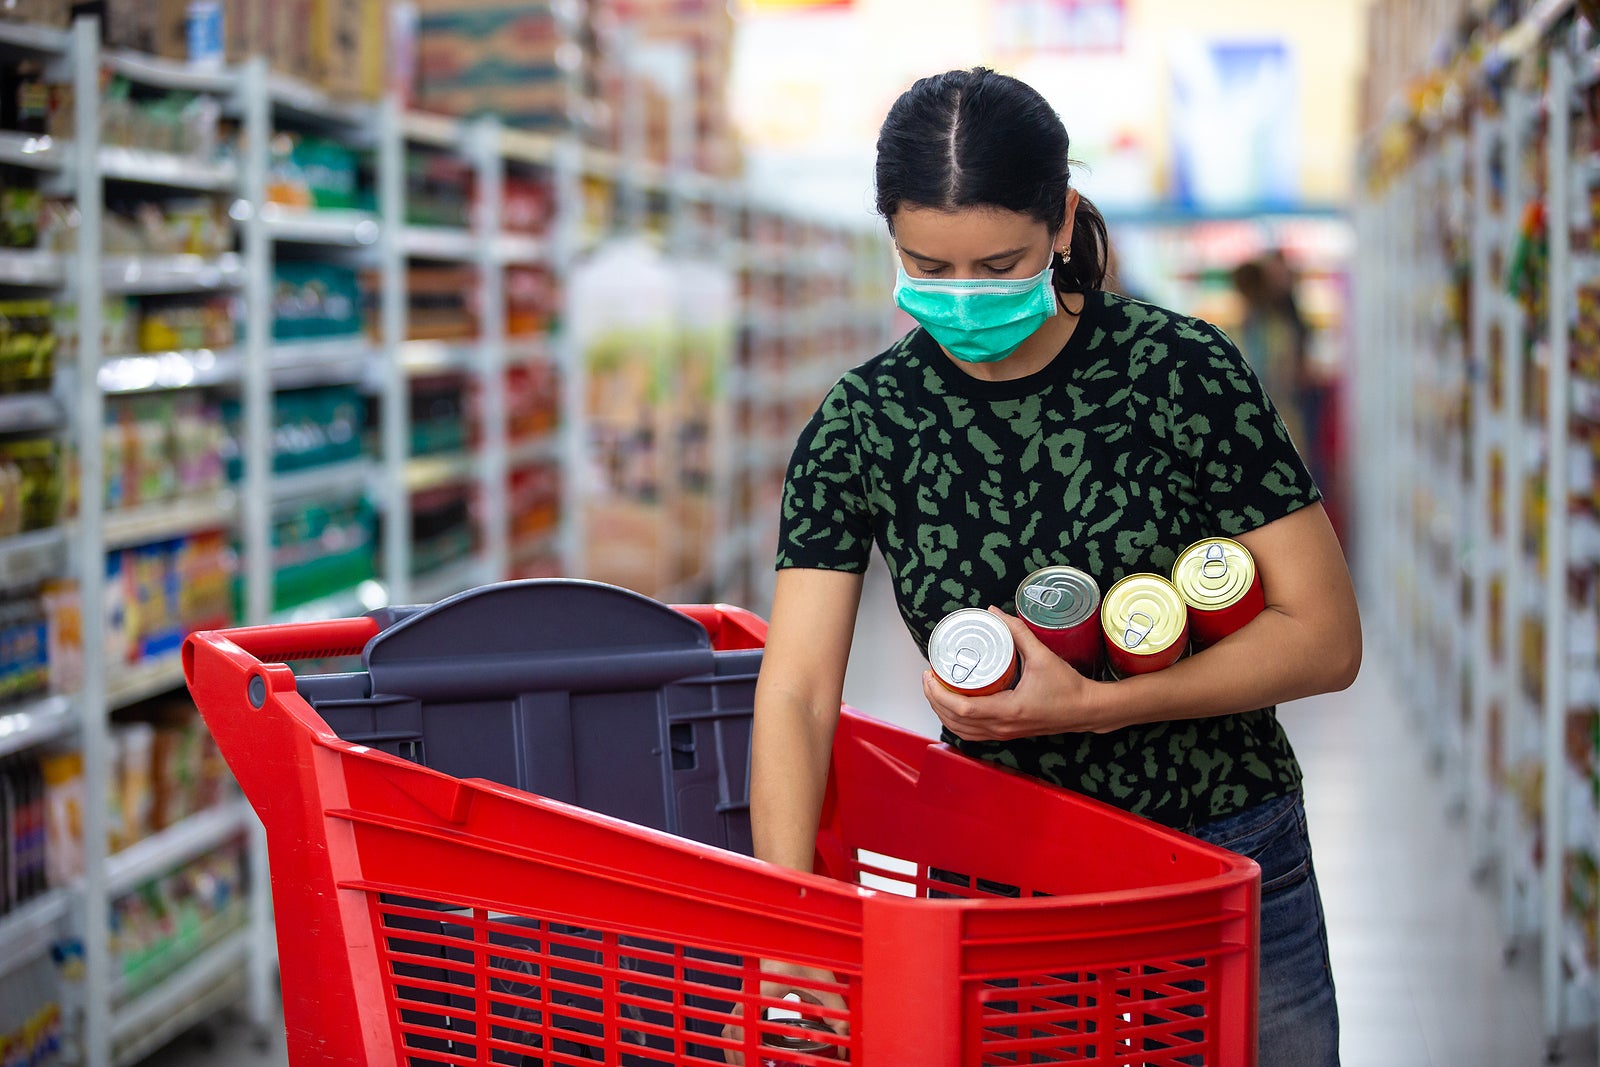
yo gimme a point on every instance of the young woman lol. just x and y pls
(1035, 419)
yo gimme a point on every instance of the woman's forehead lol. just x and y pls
(970, 231)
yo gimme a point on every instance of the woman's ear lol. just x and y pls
(1072, 213)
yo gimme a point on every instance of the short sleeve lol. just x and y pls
(824, 523)
(1247, 469)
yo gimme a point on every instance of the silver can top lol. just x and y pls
(971, 649)
(1058, 598)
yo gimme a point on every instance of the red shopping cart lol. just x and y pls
(428, 915)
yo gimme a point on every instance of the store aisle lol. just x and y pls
(1415, 952)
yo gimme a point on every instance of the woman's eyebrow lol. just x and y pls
(985, 259)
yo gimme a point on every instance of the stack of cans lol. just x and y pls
(1144, 622)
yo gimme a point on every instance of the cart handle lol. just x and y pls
(311, 640)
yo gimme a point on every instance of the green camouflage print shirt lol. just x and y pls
(1146, 433)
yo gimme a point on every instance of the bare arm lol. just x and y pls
(797, 710)
(1308, 640)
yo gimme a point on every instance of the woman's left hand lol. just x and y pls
(1050, 698)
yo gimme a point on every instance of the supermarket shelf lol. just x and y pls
(30, 413)
(28, 932)
(534, 349)
(33, 723)
(215, 979)
(448, 580)
(333, 481)
(32, 557)
(335, 361)
(521, 249)
(176, 845)
(436, 131)
(28, 39)
(30, 268)
(143, 681)
(437, 357)
(345, 604)
(36, 152)
(195, 368)
(534, 149)
(339, 228)
(545, 448)
(431, 472)
(171, 518)
(439, 242)
(296, 99)
(148, 275)
(164, 168)
(171, 74)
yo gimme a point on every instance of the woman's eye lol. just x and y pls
(932, 272)
(1002, 270)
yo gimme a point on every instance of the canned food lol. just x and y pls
(972, 653)
(1146, 624)
(820, 1049)
(1217, 579)
(1062, 606)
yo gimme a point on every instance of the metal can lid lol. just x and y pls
(1058, 598)
(1214, 573)
(971, 648)
(1143, 614)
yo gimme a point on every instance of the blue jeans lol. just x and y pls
(1299, 1018)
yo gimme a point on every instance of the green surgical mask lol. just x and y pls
(978, 320)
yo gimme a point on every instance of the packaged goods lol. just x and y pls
(1218, 581)
(62, 773)
(1061, 605)
(306, 171)
(972, 653)
(1146, 625)
(27, 346)
(38, 462)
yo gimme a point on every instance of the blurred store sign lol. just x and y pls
(1060, 25)
(1235, 123)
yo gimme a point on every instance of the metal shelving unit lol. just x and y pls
(1494, 503)
(702, 216)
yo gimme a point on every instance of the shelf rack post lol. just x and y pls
(488, 163)
(89, 296)
(394, 392)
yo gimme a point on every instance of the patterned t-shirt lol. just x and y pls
(1147, 432)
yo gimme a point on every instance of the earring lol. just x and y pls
(1065, 254)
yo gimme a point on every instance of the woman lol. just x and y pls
(1034, 419)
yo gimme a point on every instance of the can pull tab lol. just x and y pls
(1216, 562)
(966, 661)
(1043, 595)
(1133, 637)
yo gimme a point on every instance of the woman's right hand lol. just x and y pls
(774, 986)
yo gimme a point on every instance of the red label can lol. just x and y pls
(1062, 606)
(797, 1043)
(1218, 580)
(1146, 625)
(972, 653)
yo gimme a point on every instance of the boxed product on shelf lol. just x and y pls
(533, 399)
(503, 57)
(162, 446)
(347, 46)
(157, 594)
(31, 485)
(534, 501)
(24, 862)
(312, 427)
(322, 549)
(24, 649)
(20, 209)
(63, 609)
(442, 528)
(531, 301)
(307, 171)
(312, 300)
(528, 205)
(168, 921)
(439, 188)
(441, 303)
(27, 345)
(186, 771)
(169, 324)
(62, 774)
(41, 12)
(438, 415)
(31, 1014)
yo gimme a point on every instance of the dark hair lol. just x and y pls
(975, 138)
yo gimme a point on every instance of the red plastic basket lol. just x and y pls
(970, 915)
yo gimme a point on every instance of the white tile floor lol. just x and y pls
(1416, 953)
